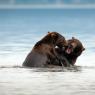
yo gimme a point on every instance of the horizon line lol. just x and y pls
(49, 6)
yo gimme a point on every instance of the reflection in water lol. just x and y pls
(51, 69)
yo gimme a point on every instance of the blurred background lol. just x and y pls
(47, 2)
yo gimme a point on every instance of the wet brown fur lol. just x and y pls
(43, 52)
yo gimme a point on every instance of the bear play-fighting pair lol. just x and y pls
(45, 53)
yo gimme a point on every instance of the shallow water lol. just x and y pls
(46, 81)
(21, 29)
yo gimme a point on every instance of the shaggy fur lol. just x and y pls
(43, 52)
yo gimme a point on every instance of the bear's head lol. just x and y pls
(74, 47)
(57, 39)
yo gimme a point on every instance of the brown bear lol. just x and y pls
(43, 52)
(70, 53)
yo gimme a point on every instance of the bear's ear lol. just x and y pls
(83, 49)
(49, 32)
(73, 38)
(52, 34)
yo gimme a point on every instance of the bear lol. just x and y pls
(43, 52)
(69, 54)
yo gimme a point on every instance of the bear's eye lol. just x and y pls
(70, 46)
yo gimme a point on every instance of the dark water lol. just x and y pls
(21, 29)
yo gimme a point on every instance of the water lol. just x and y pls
(21, 29)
